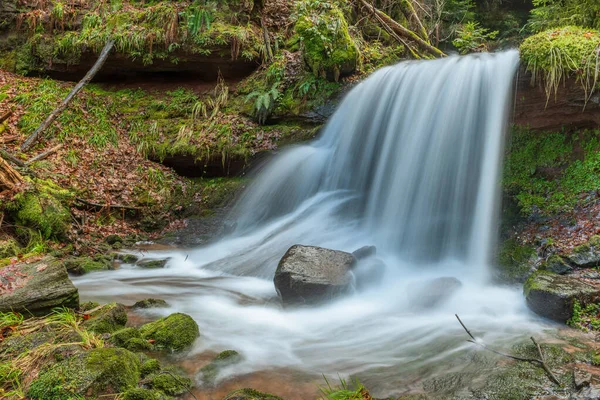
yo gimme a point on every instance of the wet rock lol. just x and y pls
(588, 393)
(581, 378)
(36, 288)
(432, 293)
(309, 274)
(152, 263)
(150, 303)
(365, 252)
(250, 394)
(557, 264)
(108, 319)
(170, 383)
(144, 394)
(150, 366)
(368, 272)
(84, 265)
(587, 255)
(112, 239)
(122, 336)
(552, 296)
(175, 333)
(224, 359)
(98, 371)
(127, 258)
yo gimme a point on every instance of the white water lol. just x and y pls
(409, 163)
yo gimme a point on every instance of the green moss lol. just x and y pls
(91, 373)
(143, 394)
(533, 283)
(150, 366)
(328, 48)
(127, 258)
(151, 303)
(137, 344)
(110, 318)
(250, 394)
(170, 383)
(84, 265)
(120, 337)
(515, 260)
(42, 208)
(175, 332)
(556, 264)
(223, 359)
(556, 54)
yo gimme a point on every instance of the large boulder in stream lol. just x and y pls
(309, 274)
(553, 296)
(36, 288)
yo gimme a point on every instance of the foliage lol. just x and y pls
(557, 54)
(555, 13)
(585, 317)
(264, 103)
(323, 31)
(540, 172)
(471, 37)
(344, 391)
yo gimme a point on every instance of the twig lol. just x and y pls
(45, 154)
(541, 361)
(7, 156)
(103, 206)
(5, 116)
(33, 138)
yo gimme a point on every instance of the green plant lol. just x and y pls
(264, 103)
(554, 13)
(471, 37)
(344, 391)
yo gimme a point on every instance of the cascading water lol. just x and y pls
(410, 163)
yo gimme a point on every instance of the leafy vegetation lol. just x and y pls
(471, 37)
(557, 54)
(344, 391)
(585, 317)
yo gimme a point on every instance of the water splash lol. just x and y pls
(409, 163)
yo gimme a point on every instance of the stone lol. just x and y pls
(127, 258)
(112, 239)
(176, 332)
(170, 383)
(150, 303)
(91, 373)
(368, 272)
(589, 393)
(558, 265)
(365, 252)
(585, 256)
(581, 378)
(552, 296)
(432, 293)
(108, 319)
(309, 274)
(222, 360)
(152, 263)
(36, 288)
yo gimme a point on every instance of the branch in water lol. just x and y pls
(541, 361)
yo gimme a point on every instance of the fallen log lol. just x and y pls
(7, 156)
(34, 137)
(101, 207)
(9, 177)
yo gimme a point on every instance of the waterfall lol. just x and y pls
(410, 163)
(415, 150)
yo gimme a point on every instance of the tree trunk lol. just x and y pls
(9, 177)
(30, 141)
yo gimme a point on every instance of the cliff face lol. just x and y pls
(567, 110)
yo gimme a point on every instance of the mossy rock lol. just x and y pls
(137, 344)
(515, 261)
(150, 366)
(557, 265)
(328, 47)
(170, 383)
(122, 336)
(93, 373)
(45, 285)
(553, 296)
(127, 258)
(144, 394)
(250, 394)
(152, 263)
(43, 208)
(586, 255)
(84, 265)
(112, 239)
(223, 359)
(151, 303)
(108, 319)
(175, 333)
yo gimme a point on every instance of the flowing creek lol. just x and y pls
(409, 163)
